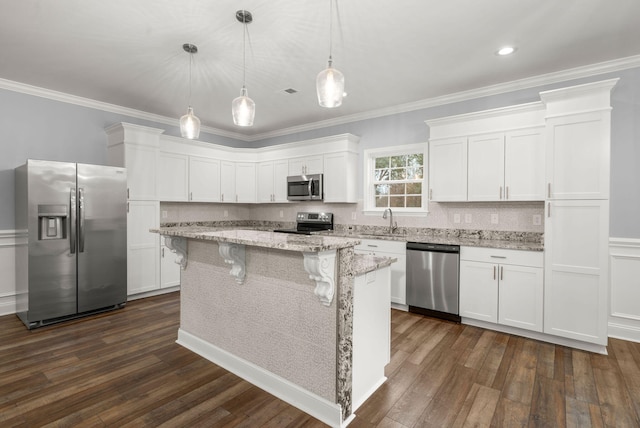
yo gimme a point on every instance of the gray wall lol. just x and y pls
(34, 127)
(40, 128)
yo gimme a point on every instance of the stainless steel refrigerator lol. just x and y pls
(74, 261)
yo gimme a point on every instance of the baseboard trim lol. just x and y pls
(556, 340)
(153, 293)
(7, 304)
(318, 407)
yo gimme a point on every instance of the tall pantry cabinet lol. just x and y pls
(136, 148)
(578, 135)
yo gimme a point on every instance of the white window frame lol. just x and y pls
(369, 156)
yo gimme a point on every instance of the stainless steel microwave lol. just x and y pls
(305, 187)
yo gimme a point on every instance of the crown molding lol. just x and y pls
(23, 88)
(526, 83)
(500, 88)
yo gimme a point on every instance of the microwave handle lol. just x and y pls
(310, 187)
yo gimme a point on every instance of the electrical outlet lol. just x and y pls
(456, 218)
(225, 213)
(494, 218)
(281, 214)
(353, 215)
(537, 219)
(165, 214)
(468, 218)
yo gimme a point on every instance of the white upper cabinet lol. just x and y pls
(135, 147)
(578, 156)
(227, 181)
(306, 165)
(448, 170)
(173, 177)
(204, 179)
(493, 155)
(272, 181)
(486, 168)
(245, 182)
(340, 177)
(524, 165)
(507, 166)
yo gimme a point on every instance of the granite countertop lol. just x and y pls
(366, 263)
(260, 238)
(506, 244)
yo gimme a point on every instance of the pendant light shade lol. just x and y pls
(189, 123)
(330, 87)
(243, 108)
(330, 82)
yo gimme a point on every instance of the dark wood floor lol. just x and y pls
(124, 369)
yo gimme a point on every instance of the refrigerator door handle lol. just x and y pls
(81, 220)
(72, 221)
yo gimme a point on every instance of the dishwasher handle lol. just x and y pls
(435, 248)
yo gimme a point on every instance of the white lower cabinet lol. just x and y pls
(395, 249)
(502, 286)
(143, 268)
(169, 269)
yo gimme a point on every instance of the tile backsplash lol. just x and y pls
(494, 216)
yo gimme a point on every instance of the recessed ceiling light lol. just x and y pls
(507, 50)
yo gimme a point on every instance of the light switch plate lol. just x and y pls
(456, 218)
(468, 218)
(537, 219)
(165, 214)
(494, 218)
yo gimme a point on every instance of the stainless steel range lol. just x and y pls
(310, 223)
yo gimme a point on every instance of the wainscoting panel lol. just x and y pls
(624, 314)
(8, 241)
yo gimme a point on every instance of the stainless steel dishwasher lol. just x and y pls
(433, 272)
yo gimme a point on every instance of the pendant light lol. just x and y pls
(243, 108)
(189, 123)
(330, 82)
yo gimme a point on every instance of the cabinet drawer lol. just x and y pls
(396, 247)
(496, 255)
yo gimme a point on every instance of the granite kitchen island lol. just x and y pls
(301, 317)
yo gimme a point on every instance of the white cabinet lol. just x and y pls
(578, 156)
(245, 182)
(204, 179)
(140, 162)
(272, 181)
(506, 166)
(173, 177)
(502, 286)
(227, 181)
(395, 249)
(143, 269)
(448, 170)
(524, 165)
(306, 165)
(237, 182)
(169, 269)
(340, 180)
(576, 269)
(578, 137)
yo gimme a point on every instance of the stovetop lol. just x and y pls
(309, 223)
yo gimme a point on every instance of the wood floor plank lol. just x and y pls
(123, 368)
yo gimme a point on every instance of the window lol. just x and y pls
(395, 178)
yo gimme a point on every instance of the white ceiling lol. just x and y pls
(129, 52)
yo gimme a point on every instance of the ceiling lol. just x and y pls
(129, 53)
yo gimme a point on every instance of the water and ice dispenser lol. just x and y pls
(52, 221)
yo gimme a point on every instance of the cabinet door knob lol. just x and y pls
(548, 190)
(500, 193)
(549, 209)
(506, 192)
(494, 272)
(501, 273)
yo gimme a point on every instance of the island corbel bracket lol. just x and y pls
(321, 268)
(234, 254)
(178, 245)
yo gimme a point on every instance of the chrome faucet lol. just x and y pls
(392, 225)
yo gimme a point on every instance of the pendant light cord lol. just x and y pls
(244, 50)
(330, 29)
(190, 63)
